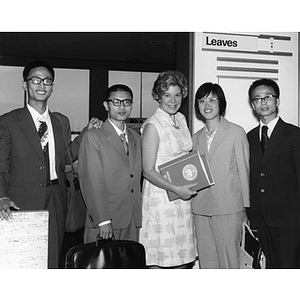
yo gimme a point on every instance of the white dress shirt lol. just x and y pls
(36, 116)
(271, 125)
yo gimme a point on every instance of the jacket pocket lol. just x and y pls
(232, 187)
(292, 194)
(15, 190)
(112, 197)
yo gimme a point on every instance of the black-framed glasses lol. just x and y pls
(118, 102)
(37, 80)
(259, 100)
(208, 100)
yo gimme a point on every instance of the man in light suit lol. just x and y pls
(30, 178)
(110, 175)
(220, 210)
(274, 179)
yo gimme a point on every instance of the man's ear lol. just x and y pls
(24, 85)
(105, 104)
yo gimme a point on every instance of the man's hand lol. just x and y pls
(5, 205)
(106, 231)
(94, 123)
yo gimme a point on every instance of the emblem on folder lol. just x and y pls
(189, 172)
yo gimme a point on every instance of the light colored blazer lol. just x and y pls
(109, 179)
(228, 158)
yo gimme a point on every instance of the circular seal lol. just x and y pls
(189, 172)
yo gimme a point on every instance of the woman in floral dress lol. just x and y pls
(167, 231)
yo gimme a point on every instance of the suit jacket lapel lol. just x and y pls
(275, 139)
(27, 126)
(201, 143)
(114, 140)
(132, 144)
(220, 134)
(255, 144)
(58, 138)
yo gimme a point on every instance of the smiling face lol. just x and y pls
(267, 110)
(171, 100)
(209, 109)
(39, 92)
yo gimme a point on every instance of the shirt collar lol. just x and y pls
(36, 115)
(119, 131)
(271, 125)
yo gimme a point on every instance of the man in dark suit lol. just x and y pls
(110, 172)
(274, 179)
(32, 166)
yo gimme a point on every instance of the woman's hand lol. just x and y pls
(94, 123)
(184, 192)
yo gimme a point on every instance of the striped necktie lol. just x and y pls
(124, 142)
(43, 134)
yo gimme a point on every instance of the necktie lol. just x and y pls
(43, 134)
(264, 138)
(123, 139)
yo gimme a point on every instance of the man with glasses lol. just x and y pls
(33, 156)
(110, 172)
(274, 179)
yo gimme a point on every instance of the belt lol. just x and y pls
(53, 182)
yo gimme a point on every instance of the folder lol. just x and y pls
(187, 169)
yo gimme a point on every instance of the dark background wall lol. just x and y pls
(100, 52)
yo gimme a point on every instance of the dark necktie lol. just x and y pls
(124, 142)
(264, 138)
(43, 134)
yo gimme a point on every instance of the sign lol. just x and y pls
(232, 42)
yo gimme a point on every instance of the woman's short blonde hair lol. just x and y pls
(167, 79)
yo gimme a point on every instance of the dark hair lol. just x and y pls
(36, 64)
(266, 82)
(118, 88)
(205, 89)
(167, 79)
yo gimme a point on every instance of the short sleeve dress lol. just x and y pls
(167, 231)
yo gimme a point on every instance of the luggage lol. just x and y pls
(251, 254)
(107, 254)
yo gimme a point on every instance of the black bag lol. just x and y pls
(76, 212)
(107, 254)
(251, 254)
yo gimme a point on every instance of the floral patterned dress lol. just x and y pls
(167, 231)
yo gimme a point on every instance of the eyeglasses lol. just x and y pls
(211, 101)
(37, 80)
(267, 99)
(118, 102)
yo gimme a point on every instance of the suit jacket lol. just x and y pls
(228, 158)
(275, 177)
(22, 163)
(109, 179)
